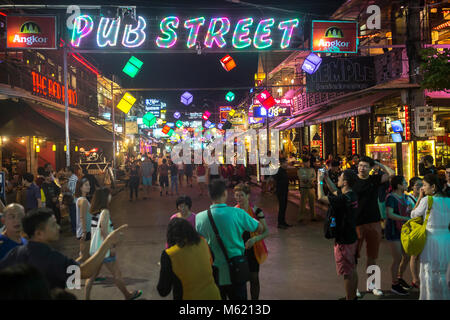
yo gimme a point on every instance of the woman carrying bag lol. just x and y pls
(435, 257)
(101, 227)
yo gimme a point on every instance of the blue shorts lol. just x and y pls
(110, 259)
(147, 181)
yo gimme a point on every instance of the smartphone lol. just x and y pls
(322, 170)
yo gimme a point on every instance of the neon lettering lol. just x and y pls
(262, 35)
(194, 26)
(242, 30)
(217, 36)
(138, 32)
(78, 32)
(108, 36)
(288, 27)
(171, 35)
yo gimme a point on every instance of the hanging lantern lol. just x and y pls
(232, 112)
(126, 103)
(133, 66)
(227, 62)
(229, 96)
(54, 147)
(179, 124)
(266, 99)
(177, 115)
(206, 115)
(311, 63)
(149, 119)
(186, 98)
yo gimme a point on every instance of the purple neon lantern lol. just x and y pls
(177, 115)
(311, 63)
(186, 98)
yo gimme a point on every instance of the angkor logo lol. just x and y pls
(30, 27)
(334, 32)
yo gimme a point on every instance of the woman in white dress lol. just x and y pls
(83, 218)
(435, 257)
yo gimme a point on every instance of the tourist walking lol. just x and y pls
(282, 185)
(83, 218)
(147, 174)
(133, 183)
(184, 205)
(307, 177)
(201, 178)
(163, 170)
(173, 177)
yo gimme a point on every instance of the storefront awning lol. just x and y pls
(19, 120)
(298, 121)
(277, 122)
(351, 108)
(80, 128)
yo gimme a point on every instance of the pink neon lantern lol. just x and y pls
(206, 115)
(266, 99)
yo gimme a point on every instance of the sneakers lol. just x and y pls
(398, 289)
(377, 292)
(415, 285)
(403, 283)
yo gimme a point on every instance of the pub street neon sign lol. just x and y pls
(210, 33)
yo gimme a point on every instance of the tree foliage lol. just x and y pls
(435, 68)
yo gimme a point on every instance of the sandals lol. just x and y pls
(136, 294)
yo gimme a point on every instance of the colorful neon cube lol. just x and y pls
(206, 115)
(126, 103)
(220, 126)
(179, 124)
(133, 66)
(232, 112)
(186, 98)
(166, 129)
(229, 96)
(266, 99)
(228, 62)
(311, 63)
(177, 115)
(149, 119)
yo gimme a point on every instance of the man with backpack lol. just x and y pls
(341, 225)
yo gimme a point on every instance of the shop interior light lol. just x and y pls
(76, 148)
(38, 148)
(126, 103)
(54, 147)
(65, 147)
(311, 63)
(133, 66)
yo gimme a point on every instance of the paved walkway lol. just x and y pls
(300, 263)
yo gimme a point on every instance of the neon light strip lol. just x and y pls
(288, 27)
(138, 31)
(217, 36)
(3, 14)
(240, 32)
(263, 32)
(108, 37)
(78, 34)
(194, 26)
(80, 60)
(171, 35)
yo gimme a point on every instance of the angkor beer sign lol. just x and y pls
(53, 90)
(174, 32)
(334, 36)
(31, 32)
(342, 74)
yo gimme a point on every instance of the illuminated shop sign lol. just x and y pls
(52, 90)
(155, 106)
(31, 32)
(175, 32)
(276, 111)
(334, 36)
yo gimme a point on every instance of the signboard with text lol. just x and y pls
(342, 74)
(31, 32)
(334, 36)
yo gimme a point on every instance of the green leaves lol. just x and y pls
(435, 67)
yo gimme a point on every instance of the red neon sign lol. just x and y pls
(51, 89)
(407, 129)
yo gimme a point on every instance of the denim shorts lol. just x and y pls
(110, 259)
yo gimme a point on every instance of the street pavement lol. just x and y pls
(300, 265)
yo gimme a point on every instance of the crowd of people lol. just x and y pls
(223, 246)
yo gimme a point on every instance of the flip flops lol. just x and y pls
(136, 294)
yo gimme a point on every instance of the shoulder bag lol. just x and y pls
(414, 233)
(239, 270)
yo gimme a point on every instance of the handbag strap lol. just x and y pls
(219, 239)
(430, 204)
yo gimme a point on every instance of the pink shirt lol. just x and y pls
(191, 219)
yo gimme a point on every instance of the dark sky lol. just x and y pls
(192, 70)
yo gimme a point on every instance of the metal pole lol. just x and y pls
(113, 124)
(66, 103)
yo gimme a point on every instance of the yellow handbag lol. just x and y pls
(414, 234)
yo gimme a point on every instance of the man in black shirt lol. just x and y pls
(344, 203)
(368, 217)
(41, 227)
(282, 183)
(426, 166)
(51, 192)
(92, 182)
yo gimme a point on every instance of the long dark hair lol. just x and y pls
(181, 232)
(433, 179)
(80, 183)
(100, 200)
